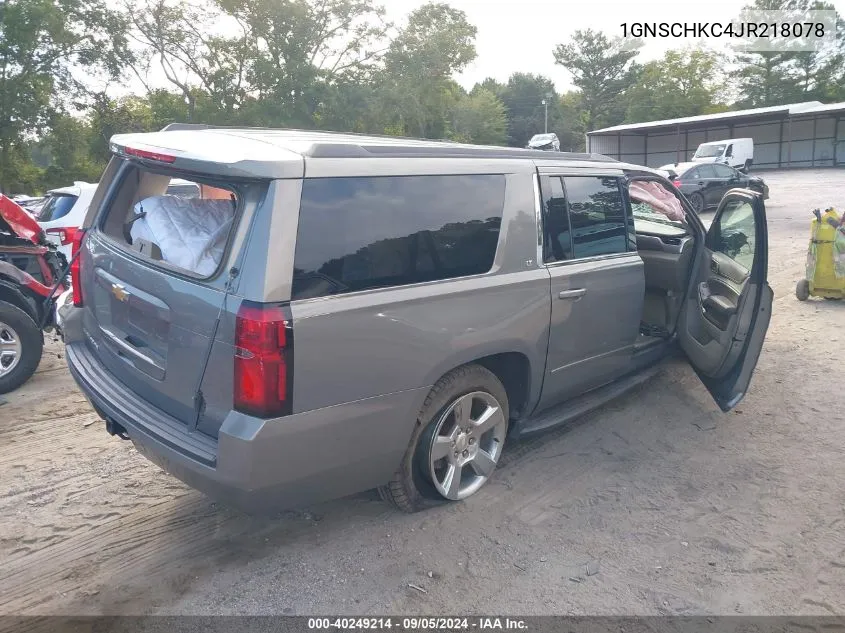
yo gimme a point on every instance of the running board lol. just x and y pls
(584, 404)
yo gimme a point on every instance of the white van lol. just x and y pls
(735, 152)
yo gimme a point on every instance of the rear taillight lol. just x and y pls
(263, 360)
(76, 266)
(676, 182)
(65, 235)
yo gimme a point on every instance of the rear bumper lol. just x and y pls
(258, 465)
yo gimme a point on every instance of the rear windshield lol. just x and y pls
(186, 225)
(56, 207)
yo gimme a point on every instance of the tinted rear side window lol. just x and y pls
(361, 233)
(56, 207)
(706, 171)
(723, 171)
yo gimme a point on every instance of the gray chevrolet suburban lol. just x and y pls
(335, 313)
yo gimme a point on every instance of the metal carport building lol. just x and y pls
(809, 134)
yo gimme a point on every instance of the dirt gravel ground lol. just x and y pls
(655, 504)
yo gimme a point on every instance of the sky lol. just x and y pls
(520, 35)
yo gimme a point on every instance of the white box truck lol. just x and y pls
(736, 152)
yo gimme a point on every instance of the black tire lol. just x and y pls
(411, 488)
(747, 167)
(697, 202)
(802, 290)
(31, 341)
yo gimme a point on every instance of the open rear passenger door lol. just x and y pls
(727, 312)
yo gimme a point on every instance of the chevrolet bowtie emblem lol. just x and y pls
(119, 292)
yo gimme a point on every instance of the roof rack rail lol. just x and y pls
(351, 150)
(332, 144)
(364, 135)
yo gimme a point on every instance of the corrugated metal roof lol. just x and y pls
(786, 109)
(830, 107)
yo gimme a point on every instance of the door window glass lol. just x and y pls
(723, 171)
(693, 174)
(375, 232)
(653, 202)
(735, 234)
(558, 238)
(596, 216)
(706, 171)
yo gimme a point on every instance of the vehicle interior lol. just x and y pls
(666, 244)
(171, 220)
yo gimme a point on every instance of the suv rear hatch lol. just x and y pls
(153, 274)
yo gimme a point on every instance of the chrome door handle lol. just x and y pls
(572, 294)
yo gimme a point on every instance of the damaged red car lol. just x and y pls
(31, 277)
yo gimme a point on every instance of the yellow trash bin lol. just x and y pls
(825, 275)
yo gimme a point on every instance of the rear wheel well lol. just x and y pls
(514, 372)
(18, 299)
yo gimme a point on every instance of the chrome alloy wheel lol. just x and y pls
(466, 445)
(10, 349)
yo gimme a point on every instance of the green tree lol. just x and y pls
(767, 78)
(66, 148)
(115, 116)
(523, 97)
(820, 74)
(302, 47)
(568, 124)
(491, 85)
(350, 106)
(602, 69)
(764, 79)
(41, 43)
(479, 117)
(683, 83)
(417, 87)
(22, 174)
(177, 37)
(277, 62)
